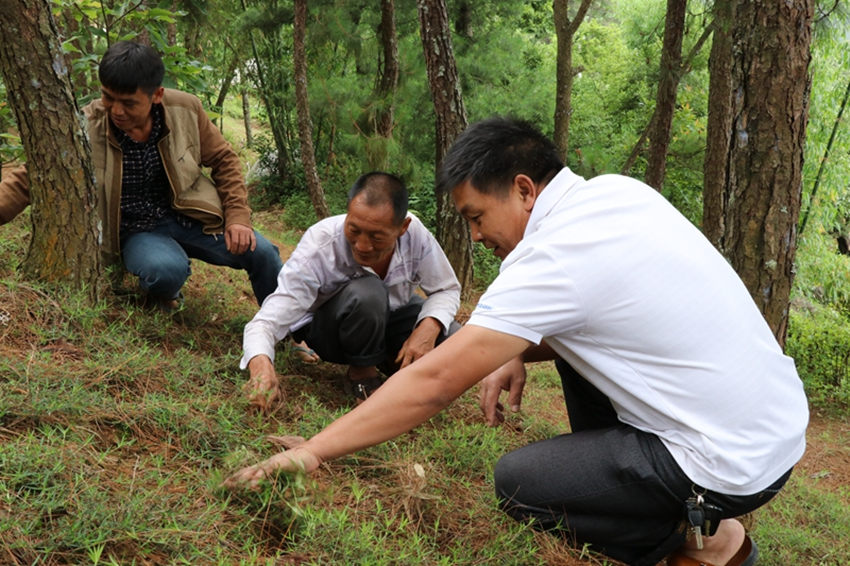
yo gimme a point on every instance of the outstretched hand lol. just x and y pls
(509, 377)
(292, 460)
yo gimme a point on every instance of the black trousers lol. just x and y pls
(607, 484)
(357, 327)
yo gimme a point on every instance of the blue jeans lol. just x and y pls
(161, 258)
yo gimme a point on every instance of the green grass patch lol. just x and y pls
(118, 424)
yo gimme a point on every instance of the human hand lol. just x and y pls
(420, 342)
(292, 460)
(509, 377)
(239, 238)
(263, 387)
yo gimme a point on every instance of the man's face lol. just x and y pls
(129, 111)
(497, 220)
(371, 233)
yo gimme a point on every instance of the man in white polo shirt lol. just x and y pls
(683, 409)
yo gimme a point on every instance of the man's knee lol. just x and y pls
(163, 275)
(266, 253)
(507, 476)
(366, 297)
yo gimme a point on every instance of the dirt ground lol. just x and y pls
(827, 456)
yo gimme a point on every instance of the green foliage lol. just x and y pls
(819, 342)
(823, 275)
(92, 25)
(819, 320)
(829, 68)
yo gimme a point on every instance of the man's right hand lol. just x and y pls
(292, 460)
(509, 377)
(263, 387)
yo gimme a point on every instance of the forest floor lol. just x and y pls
(117, 425)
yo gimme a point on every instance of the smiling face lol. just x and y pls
(372, 234)
(131, 113)
(497, 220)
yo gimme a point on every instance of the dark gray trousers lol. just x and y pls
(357, 327)
(607, 483)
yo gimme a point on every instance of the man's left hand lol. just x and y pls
(420, 342)
(239, 239)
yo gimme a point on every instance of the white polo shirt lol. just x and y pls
(637, 300)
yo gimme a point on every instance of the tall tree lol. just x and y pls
(758, 111)
(264, 24)
(66, 233)
(684, 67)
(388, 71)
(452, 230)
(302, 104)
(665, 101)
(565, 29)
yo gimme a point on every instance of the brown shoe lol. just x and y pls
(746, 556)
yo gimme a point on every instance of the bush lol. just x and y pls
(819, 342)
(823, 275)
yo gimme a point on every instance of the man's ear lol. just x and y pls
(156, 98)
(404, 226)
(527, 190)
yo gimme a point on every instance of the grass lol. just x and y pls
(117, 425)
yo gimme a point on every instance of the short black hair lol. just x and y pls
(379, 188)
(490, 153)
(127, 66)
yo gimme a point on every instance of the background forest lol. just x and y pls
(118, 424)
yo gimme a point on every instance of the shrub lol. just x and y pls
(819, 342)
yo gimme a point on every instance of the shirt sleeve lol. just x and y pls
(438, 282)
(297, 290)
(14, 194)
(532, 298)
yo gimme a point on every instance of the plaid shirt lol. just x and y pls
(145, 192)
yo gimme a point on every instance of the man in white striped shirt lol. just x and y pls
(349, 291)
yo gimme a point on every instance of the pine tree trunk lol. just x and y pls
(66, 232)
(765, 97)
(565, 29)
(388, 81)
(452, 229)
(665, 101)
(305, 125)
(246, 118)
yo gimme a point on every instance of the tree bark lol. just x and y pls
(218, 105)
(565, 29)
(66, 234)
(665, 101)
(758, 110)
(719, 127)
(389, 71)
(246, 118)
(452, 230)
(302, 106)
